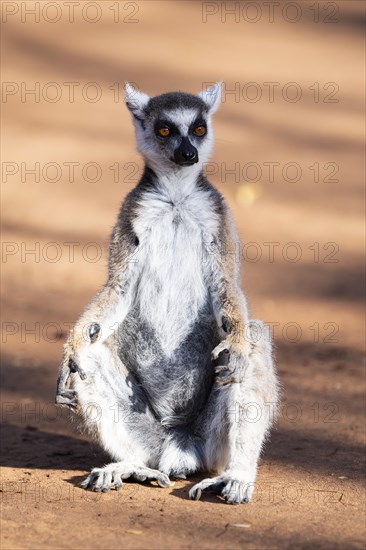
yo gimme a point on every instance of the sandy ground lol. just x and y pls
(306, 283)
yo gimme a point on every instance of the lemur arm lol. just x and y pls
(229, 303)
(107, 310)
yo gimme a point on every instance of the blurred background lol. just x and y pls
(288, 159)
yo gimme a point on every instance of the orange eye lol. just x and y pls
(164, 132)
(200, 131)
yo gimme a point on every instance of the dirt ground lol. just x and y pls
(289, 160)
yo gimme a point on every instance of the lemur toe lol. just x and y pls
(195, 492)
(143, 474)
(88, 481)
(163, 481)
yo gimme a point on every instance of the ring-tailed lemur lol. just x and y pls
(164, 366)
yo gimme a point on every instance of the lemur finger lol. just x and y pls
(62, 379)
(230, 376)
(64, 396)
(224, 369)
(74, 367)
(68, 398)
(223, 346)
(226, 381)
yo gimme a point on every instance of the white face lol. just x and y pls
(174, 130)
(182, 137)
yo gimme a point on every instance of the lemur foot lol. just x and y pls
(234, 491)
(102, 479)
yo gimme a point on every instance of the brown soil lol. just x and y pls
(310, 490)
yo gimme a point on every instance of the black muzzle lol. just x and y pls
(185, 154)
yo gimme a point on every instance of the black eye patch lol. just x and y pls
(199, 122)
(162, 123)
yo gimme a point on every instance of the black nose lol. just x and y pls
(188, 155)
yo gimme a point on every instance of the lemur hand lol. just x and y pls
(70, 364)
(65, 396)
(234, 361)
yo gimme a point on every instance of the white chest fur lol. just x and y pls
(173, 235)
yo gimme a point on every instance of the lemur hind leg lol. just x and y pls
(236, 421)
(115, 410)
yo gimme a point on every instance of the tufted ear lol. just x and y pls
(136, 101)
(212, 96)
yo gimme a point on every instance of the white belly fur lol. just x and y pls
(171, 259)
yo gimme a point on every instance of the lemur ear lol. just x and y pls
(136, 101)
(212, 97)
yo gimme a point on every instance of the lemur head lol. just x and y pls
(174, 130)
